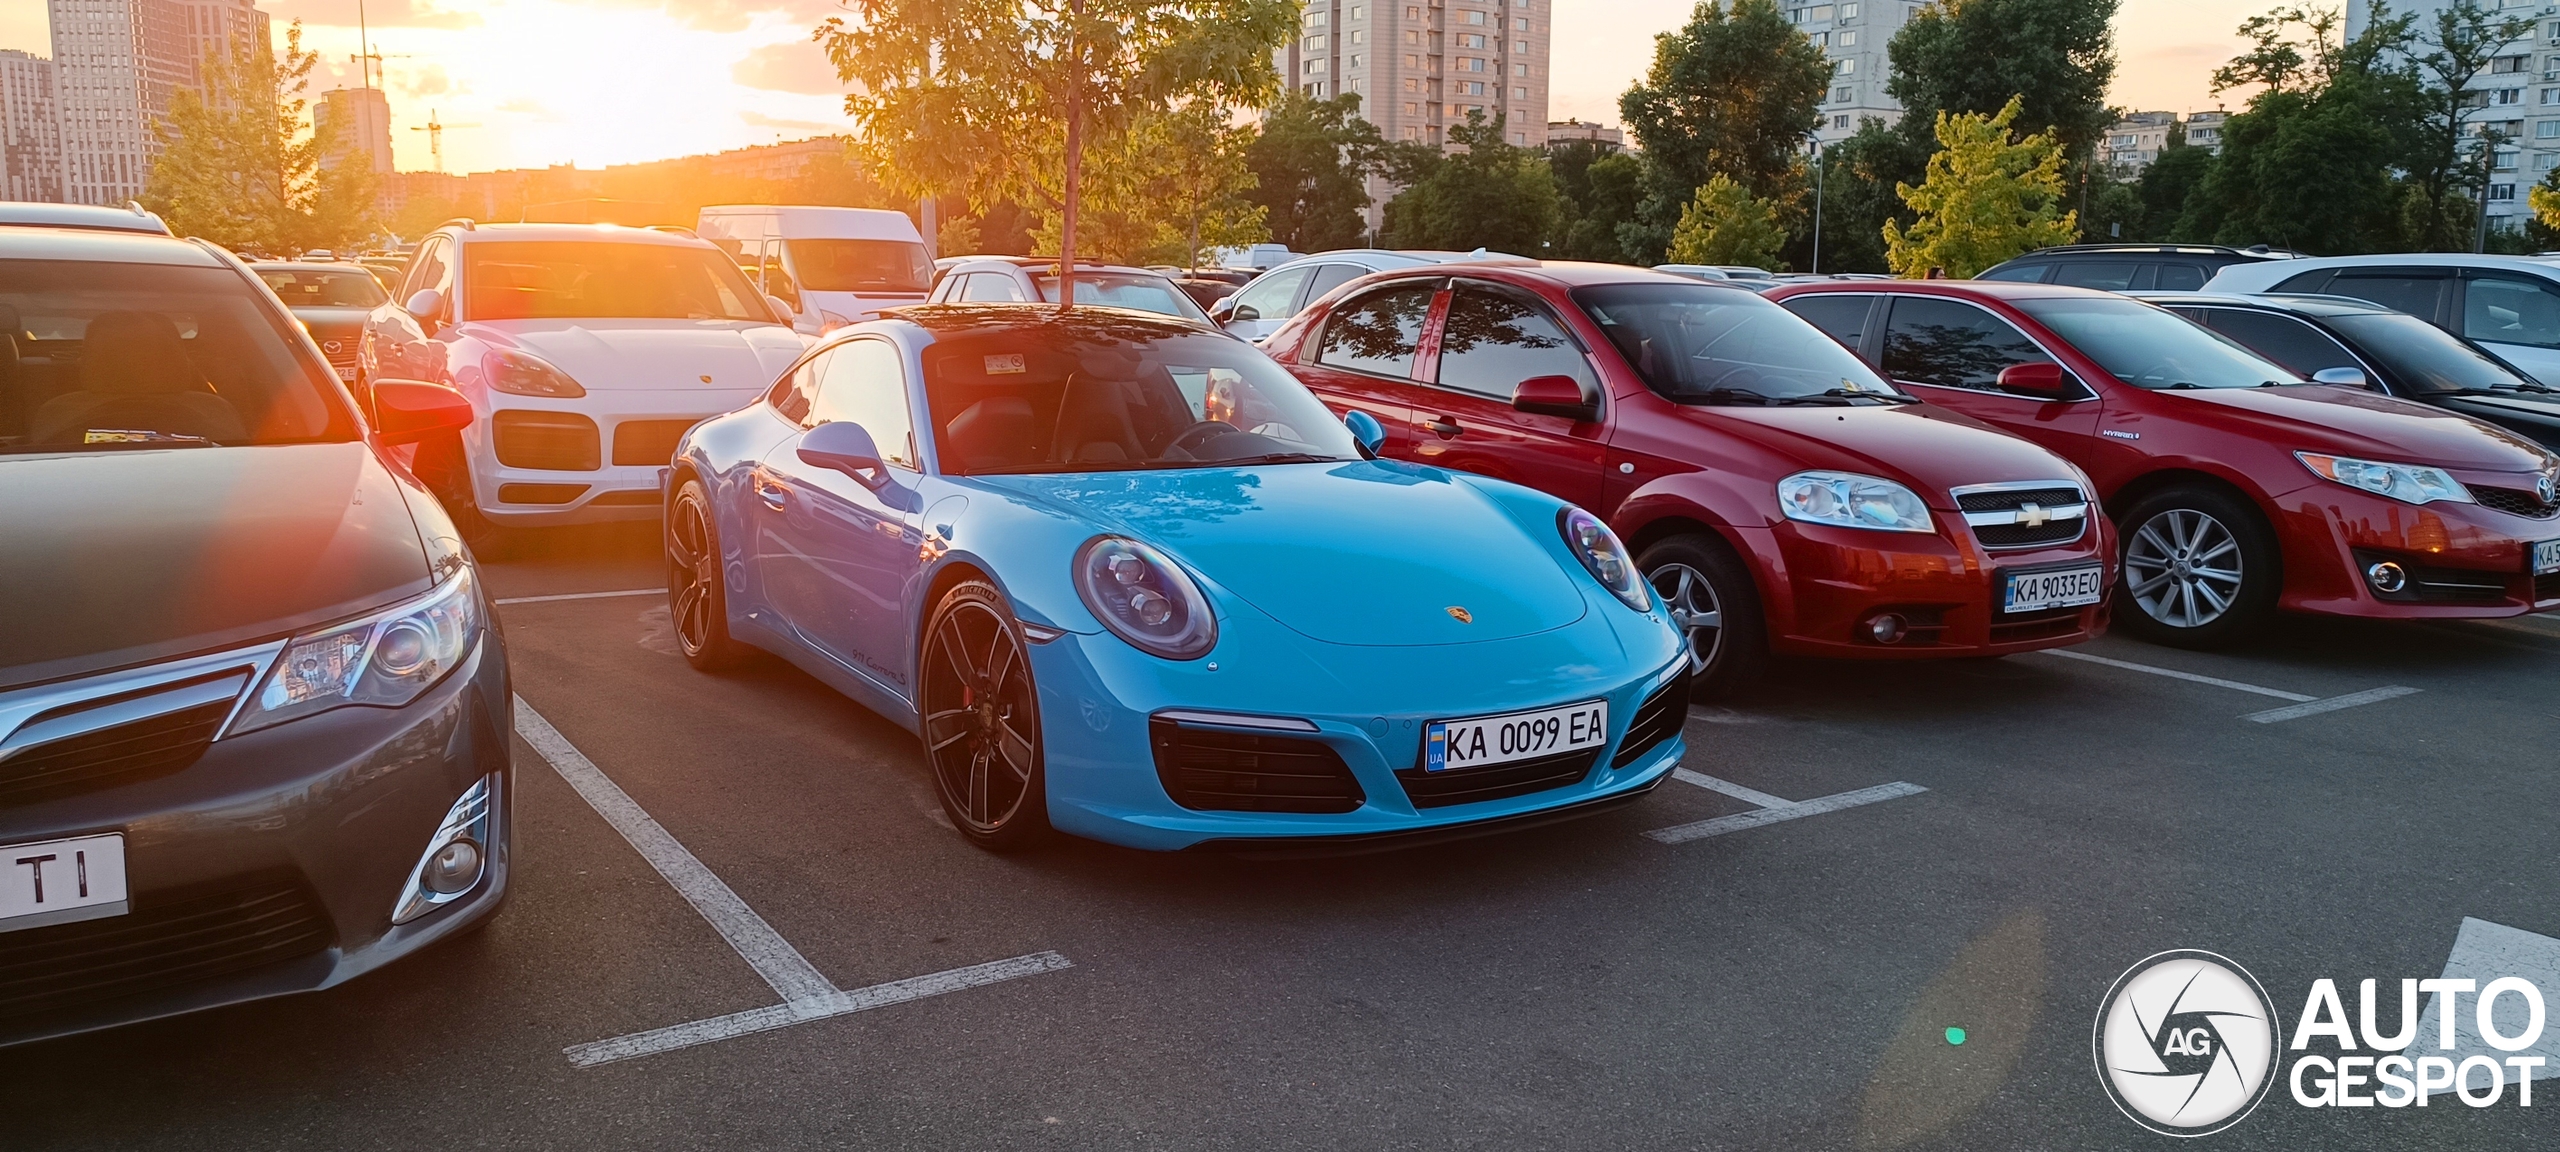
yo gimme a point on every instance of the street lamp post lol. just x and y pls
(1817, 202)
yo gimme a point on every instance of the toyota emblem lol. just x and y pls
(2548, 487)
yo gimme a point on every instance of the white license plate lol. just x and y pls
(2055, 588)
(1451, 745)
(59, 881)
(347, 374)
(2546, 557)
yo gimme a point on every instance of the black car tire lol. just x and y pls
(981, 720)
(1699, 574)
(2176, 546)
(697, 593)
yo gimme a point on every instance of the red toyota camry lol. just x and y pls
(1780, 495)
(2240, 489)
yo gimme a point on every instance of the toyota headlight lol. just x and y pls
(1144, 598)
(1849, 500)
(2411, 483)
(525, 374)
(385, 660)
(1605, 556)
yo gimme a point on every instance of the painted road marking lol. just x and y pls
(582, 596)
(2483, 952)
(1771, 810)
(2302, 706)
(806, 993)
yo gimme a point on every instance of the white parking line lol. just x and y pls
(2302, 706)
(806, 993)
(582, 596)
(2331, 704)
(1771, 810)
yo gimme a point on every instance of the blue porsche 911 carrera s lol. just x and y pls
(1130, 580)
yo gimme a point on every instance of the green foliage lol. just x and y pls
(1599, 187)
(2167, 185)
(1488, 195)
(1859, 178)
(240, 165)
(1726, 224)
(1311, 161)
(2544, 198)
(2444, 159)
(2056, 57)
(1733, 93)
(1987, 197)
(1175, 182)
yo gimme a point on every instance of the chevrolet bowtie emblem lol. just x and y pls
(2033, 515)
(1461, 615)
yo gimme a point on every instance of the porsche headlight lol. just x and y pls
(1143, 597)
(525, 374)
(1605, 556)
(385, 660)
(2412, 483)
(1849, 500)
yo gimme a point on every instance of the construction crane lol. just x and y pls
(435, 136)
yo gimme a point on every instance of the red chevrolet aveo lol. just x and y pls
(2240, 489)
(1779, 494)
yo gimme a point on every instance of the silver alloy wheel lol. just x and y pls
(1694, 607)
(2183, 567)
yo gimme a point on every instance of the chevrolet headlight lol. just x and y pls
(525, 374)
(1604, 556)
(2410, 483)
(1849, 500)
(1143, 597)
(385, 660)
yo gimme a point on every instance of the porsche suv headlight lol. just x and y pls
(1143, 597)
(525, 374)
(1849, 500)
(1605, 556)
(385, 660)
(2411, 483)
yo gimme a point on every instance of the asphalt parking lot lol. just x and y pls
(740, 922)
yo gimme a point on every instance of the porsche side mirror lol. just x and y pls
(2041, 381)
(844, 446)
(1554, 396)
(2342, 377)
(407, 411)
(425, 305)
(1365, 429)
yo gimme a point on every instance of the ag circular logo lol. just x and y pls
(2186, 1043)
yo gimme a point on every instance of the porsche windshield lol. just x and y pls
(598, 280)
(1090, 393)
(1701, 344)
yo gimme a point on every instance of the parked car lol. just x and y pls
(254, 718)
(1780, 496)
(1268, 302)
(2238, 488)
(2132, 267)
(829, 266)
(130, 218)
(2340, 340)
(1203, 290)
(332, 301)
(1128, 580)
(1694, 271)
(1022, 279)
(2510, 304)
(585, 350)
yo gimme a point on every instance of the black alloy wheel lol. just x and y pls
(697, 600)
(1715, 606)
(982, 720)
(2201, 569)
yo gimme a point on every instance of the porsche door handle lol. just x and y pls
(771, 493)
(1443, 426)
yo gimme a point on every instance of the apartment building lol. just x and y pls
(359, 119)
(2515, 104)
(30, 129)
(1854, 35)
(116, 66)
(1422, 66)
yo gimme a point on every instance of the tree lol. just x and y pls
(241, 165)
(1003, 99)
(2056, 57)
(1734, 92)
(1859, 176)
(1597, 187)
(1311, 163)
(1726, 224)
(1157, 193)
(2544, 197)
(2168, 184)
(1488, 195)
(1987, 197)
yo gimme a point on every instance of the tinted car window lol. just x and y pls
(2283, 339)
(990, 287)
(1843, 318)
(1090, 392)
(2181, 278)
(1272, 297)
(138, 354)
(2312, 282)
(1332, 276)
(1952, 343)
(585, 280)
(2149, 348)
(1377, 333)
(861, 383)
(2104, 275)
(1493, 340)
(316, 288)
(2424, 358)
(1694, 343)
(2508, 309)
(2400, 292)
(2021, 273)
(792, 394)
(861, 265)
(430, 269)
(1146, 292)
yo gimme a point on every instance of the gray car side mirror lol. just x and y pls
(2342, 377)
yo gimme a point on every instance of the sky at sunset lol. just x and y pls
(525, 83)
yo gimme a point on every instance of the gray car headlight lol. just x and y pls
(1849, 500)
(1143, 597)
(2411, 483)
(385, 659)
(1605, 556)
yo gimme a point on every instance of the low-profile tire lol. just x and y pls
(1715, 605)
(442, 467)
(981, 725)
(697, 596)
(2201, 568)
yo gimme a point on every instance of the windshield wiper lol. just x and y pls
(1851, 394)
(2517, 388)
(1278, 458)
(1729, 396)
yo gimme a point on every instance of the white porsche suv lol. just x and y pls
(585, 350)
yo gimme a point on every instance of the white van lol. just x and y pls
(830, 266)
